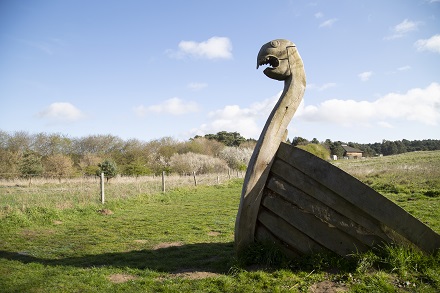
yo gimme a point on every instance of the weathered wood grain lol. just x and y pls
(263, 235)
(273, 133)
(303, 203)
(321, 232)
(288, 234)
(362, 197)
(323, 212)
(328, 197)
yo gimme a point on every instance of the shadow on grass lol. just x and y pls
(208, 257)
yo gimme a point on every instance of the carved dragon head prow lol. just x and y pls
(285, 64)
(276, 54)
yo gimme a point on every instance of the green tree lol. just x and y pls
(337, 149)
(227, 138)
(299, 141)
(389, 148)
(109, 169)
(9, 162)
(30, 165)
(401, 148)
(315, 141)
(137, 168)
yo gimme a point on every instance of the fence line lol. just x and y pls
(81, 188)
(81, 191)
(10, 178)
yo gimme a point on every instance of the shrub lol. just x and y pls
(236, 158)
(191, 162)
(136, 168)
(30, 165)
(316, 149)
(88, 164)
(58, 165)
(432, 193)
(109, 169)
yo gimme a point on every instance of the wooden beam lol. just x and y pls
(361, 196)
(324, 234)
(325, 213)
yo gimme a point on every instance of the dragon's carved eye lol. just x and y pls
(275, 43)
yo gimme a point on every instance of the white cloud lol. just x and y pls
(196, 86)
(384, 124)
(213, 48)
(404, 68)
(328, 23)
(365, 76)
(61, 112)
(173, 106)
(319, 15)
(432, 44)
(406, 26)
(418, 105)
(421, 105)
(247, 121)
(403, 28)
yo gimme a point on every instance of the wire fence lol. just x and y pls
(66, 192)
(173, 180)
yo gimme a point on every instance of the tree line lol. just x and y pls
(57, 155)
(385, 148)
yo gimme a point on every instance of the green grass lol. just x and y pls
(182, 241)
(412, 180)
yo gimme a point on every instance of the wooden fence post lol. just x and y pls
(195, 180)
(102, 188)
(163, 181)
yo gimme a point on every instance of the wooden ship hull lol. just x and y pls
(309, 205)
(304, 204)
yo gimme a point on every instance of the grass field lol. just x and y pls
(182, 241)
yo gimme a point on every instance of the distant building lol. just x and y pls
(352, 153)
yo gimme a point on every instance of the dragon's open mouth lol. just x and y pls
(269, 60)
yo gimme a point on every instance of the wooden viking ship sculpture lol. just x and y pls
(304, 204)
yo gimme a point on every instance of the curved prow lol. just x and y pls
(303, 204)
(291, 70)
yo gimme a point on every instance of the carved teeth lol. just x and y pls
(269, 60)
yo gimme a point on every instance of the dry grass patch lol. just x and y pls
(121, 278)
(327, 287)
(141, 241)
(194, 274)
(105, 212)
(213, 233)
(167, 244)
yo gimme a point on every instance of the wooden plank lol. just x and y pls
(323, 233)
(287, 233)
(323, 212)
(361, 196)
(262, 234)
(327, 197)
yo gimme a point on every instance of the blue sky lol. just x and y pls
(151, 69)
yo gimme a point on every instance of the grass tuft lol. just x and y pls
(55, 240)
